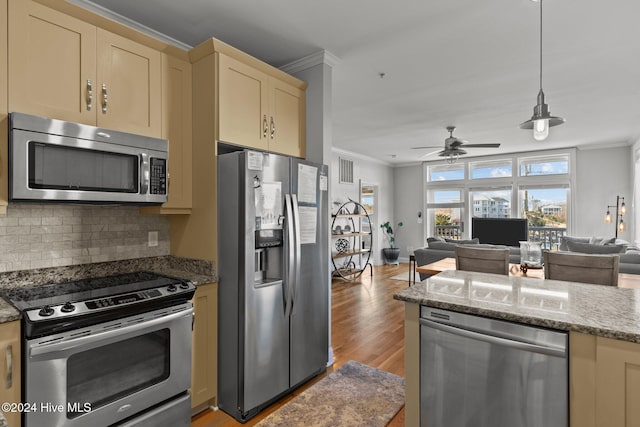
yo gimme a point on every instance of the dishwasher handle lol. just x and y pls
(550, 351)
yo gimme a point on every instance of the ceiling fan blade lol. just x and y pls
(426, 146)
(496, 145)
(424, 156)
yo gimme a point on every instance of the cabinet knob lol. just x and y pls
(89, 95)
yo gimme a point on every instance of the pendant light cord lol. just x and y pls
(540, 44)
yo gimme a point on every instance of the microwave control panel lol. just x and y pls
(158, 178)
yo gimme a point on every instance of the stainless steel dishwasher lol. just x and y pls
(482, 372)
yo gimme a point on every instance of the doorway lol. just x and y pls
(369, 200)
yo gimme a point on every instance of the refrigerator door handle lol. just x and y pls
(296, 224)
(290, 255)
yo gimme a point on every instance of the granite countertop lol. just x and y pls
(198, 271)
(605, 311)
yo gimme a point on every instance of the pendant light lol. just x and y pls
(541, 120)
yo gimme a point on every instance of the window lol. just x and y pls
(536, 186)
(491, 169)
(445, 196)
(546, 210)
(552, 165)
(445, 212)
(446, 172)
(491, 203)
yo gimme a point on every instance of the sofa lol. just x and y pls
(439, 248)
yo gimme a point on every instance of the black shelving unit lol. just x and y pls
(351, 245)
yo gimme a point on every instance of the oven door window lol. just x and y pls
(105, 374)
(59, 167)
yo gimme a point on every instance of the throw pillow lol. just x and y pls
(565, 239)
(435, 239)
(602, 240)
(588, 248)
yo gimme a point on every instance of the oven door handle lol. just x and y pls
(106, 336)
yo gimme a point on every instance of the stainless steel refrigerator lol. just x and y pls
(273, 278)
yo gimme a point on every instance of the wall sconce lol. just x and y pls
(621, 209)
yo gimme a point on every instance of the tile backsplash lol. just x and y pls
(38, 236)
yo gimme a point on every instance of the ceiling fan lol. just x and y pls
(453, 146)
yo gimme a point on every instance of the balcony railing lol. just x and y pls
(449, 231)
(549, 237)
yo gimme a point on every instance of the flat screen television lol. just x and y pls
(500, 231)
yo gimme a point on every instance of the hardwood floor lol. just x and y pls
(367, 325)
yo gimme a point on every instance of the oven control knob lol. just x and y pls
(46, 311)
(184, 285)
(171, 288)
(68, 307)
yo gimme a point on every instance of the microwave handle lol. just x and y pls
(144, 173)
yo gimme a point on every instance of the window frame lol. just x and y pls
(515, 182)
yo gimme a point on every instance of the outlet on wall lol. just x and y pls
(153, 238)
(410, 249)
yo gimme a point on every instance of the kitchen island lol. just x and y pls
(603, 324)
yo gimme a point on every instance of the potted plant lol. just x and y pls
(391, 253)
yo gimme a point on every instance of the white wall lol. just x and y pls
(408, 202)
(635, 178)
(601, 175)
(373, 172)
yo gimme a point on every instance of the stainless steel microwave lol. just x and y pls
(57, 161)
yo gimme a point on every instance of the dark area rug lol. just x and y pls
(354, 395)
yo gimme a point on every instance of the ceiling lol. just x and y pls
(468, 63)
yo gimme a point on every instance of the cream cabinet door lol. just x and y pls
(204, 366)
(129, 95)
(287, 119)
(243, 116)
(4, 105)
(53, 63)
(10, 368)
(177, 129)
(618, 383)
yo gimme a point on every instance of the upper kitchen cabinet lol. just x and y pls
(258, 106)
(242, 101)
(287, 120)
(130, 89)
(176, 127)
(64, 68)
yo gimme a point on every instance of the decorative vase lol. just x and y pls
(530, 254)
(391, 255)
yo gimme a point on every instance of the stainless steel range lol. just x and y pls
(113, 351)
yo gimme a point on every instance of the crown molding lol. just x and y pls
(317, 58)
(100, 10)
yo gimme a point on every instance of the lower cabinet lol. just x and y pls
(10, 358)
(204, 362)
(604, 382)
